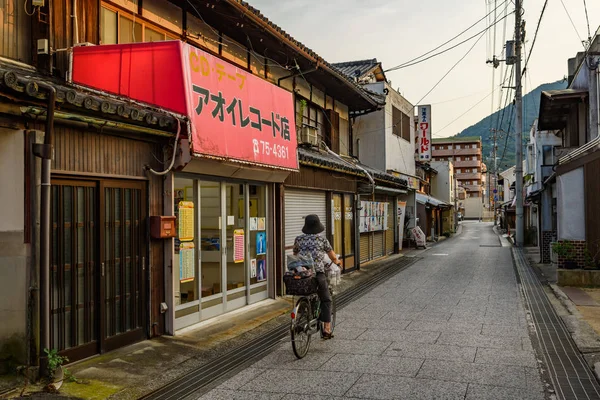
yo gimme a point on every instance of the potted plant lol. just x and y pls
(56, 371)
(566, 250)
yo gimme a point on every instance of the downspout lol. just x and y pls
(44, 151)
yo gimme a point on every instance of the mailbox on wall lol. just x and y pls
(162, 227)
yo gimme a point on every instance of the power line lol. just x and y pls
(451, 68)
(461, 115)
(411, 63)
(535, 37)
(570, 19)
(448, 41)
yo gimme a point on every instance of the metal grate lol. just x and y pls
(197, 379)
(570, 374)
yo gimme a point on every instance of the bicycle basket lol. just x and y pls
(296, 285)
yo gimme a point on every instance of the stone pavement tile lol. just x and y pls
(503, 375)
(425, 315)
(374, 364)
(294, 396)
(440, 326)
(387, 323)
(526, 344)
(513, 320)
(303, 382)
(486, 392)
(399, 336)
(347, 332)
(285, 359)
(344, 314)
(225, 394)
(393, 306)
(534, 379)
(468, 313)
(349, 346)
(239, 380)
(504, 330)
(506, 357)
(497, 342)
(431, 351)
(396, 387)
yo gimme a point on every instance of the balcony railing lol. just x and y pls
(456, 152)
(470, 175)
(469, 163)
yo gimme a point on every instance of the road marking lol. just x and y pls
(439, 254)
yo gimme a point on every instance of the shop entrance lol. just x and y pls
(97, 272)
(343, 228)
(221, 249)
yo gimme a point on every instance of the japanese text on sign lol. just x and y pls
(238, 115)
(424, 132)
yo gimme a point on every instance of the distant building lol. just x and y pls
(465, 154)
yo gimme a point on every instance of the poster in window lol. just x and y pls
(261, 243)
(185, 220)
(261, 270)
(238, 246)
(262, 223)
(253, 224)
(253, 268)
(186, 262)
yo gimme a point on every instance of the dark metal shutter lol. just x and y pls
(378, 244)
(364, 247)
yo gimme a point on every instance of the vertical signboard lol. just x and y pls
(424, 132)
(401, 218)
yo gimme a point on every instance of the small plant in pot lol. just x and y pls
(56, 371)
(566, 251)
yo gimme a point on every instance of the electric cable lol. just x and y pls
(410, 64)
(448, 41)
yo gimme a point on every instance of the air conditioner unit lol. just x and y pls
(309, 135)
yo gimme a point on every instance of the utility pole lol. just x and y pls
(494, 174)
(519, 31)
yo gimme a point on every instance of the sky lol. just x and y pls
(397, 31)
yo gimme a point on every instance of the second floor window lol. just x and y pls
(119, 27)
(400, 124)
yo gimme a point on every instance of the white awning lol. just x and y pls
(426, 199)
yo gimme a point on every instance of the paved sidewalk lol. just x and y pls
(451, 326)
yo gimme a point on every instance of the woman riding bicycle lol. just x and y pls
(311, 243)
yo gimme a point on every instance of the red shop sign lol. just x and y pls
(234, 114)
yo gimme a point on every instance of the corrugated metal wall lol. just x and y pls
(378, 244)
(299, 204)
(365, 247)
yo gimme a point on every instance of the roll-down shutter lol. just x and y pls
(299, 204)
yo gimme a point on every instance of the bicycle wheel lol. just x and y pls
(299, 329)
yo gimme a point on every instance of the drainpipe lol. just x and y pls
(44, 151)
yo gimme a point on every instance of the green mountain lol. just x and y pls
(504, 121)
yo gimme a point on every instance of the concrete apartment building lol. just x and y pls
(465, 154)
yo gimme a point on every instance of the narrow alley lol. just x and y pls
(452, 326)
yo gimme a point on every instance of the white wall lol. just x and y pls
(442, 184)
(378, 146)
(13, 251)
(369, 139)
(571, 210)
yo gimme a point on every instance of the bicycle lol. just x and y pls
(305, 320)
